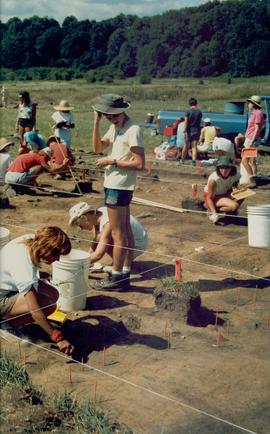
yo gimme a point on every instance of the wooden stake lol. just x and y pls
(20, 350)
(254, 298)
(104, 356)
(149, 168)
(95, 392)
(216, 322)
(69, 374)
(199, 167)
(228, 327)
(178, 269)
(218, 338)
(166, 323)
(194, 189)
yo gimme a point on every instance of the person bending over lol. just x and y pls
(24, 298)
(219, 188)
(89, 218)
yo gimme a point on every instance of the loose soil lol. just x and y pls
(159, 374)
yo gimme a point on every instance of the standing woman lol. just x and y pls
(24, 298)
(127, 157)
(253, 135)
(26, 120)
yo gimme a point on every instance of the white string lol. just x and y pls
(145, 389)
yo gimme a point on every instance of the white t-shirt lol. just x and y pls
(63, 133)
(5, 160)
(123, 140)
(139, 232)
(25, 111)
(18, 274)
(222, 185)
(222, 144)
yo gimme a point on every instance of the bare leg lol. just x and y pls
(226, 204)
(194, 150)
(47, 297)
(117, 218)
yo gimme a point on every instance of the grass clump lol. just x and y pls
(11, 372)
(177, 296)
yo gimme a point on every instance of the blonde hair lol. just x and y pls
(45, 241)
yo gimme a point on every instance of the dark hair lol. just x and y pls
(232, 172)
(25, 96)
(192, 101)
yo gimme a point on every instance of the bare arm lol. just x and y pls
(102, 246)
(98, 144)
(55, 168)
(136, 162)
(39, 317)
(210, 196)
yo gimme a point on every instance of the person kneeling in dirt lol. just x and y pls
(27, 167)
(24, 298)
(219, 188)
(88, 217)
(60, 152)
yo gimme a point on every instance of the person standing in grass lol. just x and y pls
(126, 158)
(63, 122)
(193, 117)
(24, 298)
(26, 120)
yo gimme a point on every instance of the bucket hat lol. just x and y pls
(63, 106)
(4, 143)
(256, 100)
(78, 210)
(34, 139)
(111, 104)
(225, 162)
(207, 120)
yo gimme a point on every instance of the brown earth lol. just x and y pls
(191, 384)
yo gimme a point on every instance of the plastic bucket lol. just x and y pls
(4, 236)
(70, 276)
(259, 225)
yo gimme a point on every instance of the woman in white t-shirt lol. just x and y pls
(89, 218)
(24, 298)
(127, 157)
(219, 187)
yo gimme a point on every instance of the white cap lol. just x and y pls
(46, 151)
(207, 120)
(222, 144)
(78, 210)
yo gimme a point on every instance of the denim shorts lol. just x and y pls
(25, 123)
(114, 197)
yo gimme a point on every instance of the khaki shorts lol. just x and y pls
(7, 303)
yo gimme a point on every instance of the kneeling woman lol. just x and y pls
(24, 298)
(219, 188)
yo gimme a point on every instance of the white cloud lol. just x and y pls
(93, 10)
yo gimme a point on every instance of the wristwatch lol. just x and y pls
(114, 162)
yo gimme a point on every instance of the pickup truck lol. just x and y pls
(231, 122)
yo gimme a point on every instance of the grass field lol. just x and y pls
(212, 93)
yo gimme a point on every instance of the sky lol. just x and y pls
(92, 9)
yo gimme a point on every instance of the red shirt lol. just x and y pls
(24, 162)
(61, 151)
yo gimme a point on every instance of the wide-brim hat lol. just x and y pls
(225, 161)
(78, 210)
(256, 100)
(4, 143)
(111, 104)
(63, 106)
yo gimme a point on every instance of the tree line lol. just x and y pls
(218, 37)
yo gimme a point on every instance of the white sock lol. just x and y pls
(126, 270)
(116, 273)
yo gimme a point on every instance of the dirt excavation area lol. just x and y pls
(154, 368)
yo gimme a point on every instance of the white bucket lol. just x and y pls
(259, 225)
(4, 236)
(70, 276)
